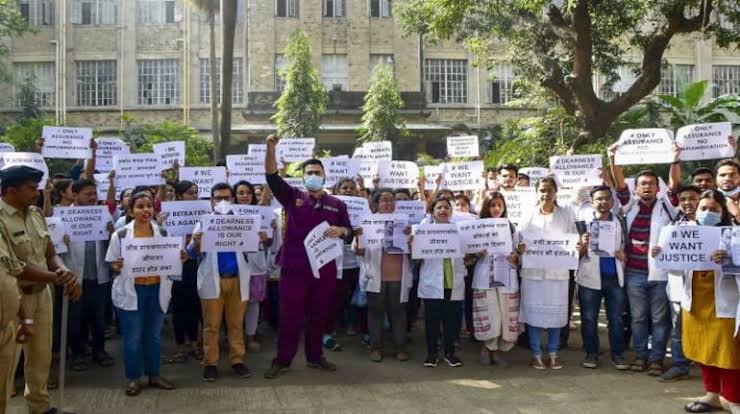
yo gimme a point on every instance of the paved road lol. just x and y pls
(361, 386)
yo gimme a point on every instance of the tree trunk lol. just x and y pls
(217, 154)
(228, 13)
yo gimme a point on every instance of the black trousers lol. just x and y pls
(86, 317)
(443, 312)
(186, 312)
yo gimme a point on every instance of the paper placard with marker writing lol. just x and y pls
(151, 256)
(687, 247)
(436, 241)
(230, 233)
(645, 146)
(67, 143)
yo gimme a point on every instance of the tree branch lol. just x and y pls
(555, 81)
(559, 25)
(581, 83)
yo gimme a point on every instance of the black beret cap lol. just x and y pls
(18, 174)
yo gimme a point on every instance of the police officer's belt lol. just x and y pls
(33, 289)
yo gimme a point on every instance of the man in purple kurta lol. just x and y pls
(304, 298)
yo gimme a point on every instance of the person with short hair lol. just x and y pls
(703, 178)
(507, 177)
(727, 173)
(522, 180)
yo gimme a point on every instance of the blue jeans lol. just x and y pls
(678, 359)
(648, 300)
(535, 340)
(141, 333)
(590, 300)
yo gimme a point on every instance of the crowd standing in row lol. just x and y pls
(368, 289)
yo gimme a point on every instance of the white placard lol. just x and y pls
(138, 169)
(731, 243)
(491, 234)
(57, 229)
(687, 247)
(321, 249)
(551, 251)
(204, 177)
(296, 182)
(416, 210)
(604, 236)
(67, 143)
(30, 159)
(645, 146)
(368, 166)
(705, 141)
(357, 208)
(182, 216)
(107, 148)
(379, 150)
(398, 174)
(5, 147)
(151, 256)
(295, 149)
(373, 230)
(168, 152)
(257, 150)
(246, 168)
(460, 176)
(520, 204)
(431, 172)
(436, 241)
(465, 146)
(265, 213)
(338, 168)
(102, 183)
(230, 233)
(84, 224)
(534, 173)
(575, 171)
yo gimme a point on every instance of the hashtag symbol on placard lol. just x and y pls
(674, 234)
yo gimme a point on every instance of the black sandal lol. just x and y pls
(103, 359)
(133, 388)
(701, 407)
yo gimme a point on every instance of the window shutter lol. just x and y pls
(178, 11)
(339, 8)
(76, 14)
(110, 12)
(293, 8)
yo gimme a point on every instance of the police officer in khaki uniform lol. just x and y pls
(35, 264)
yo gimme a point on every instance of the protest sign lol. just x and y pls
(246, 168)
(645, 146)
(705, 141)
(182, 216)
(520, 204)
(204, 178)
(102, 182)
(66, 143)
(5, 147)
(57, 230)
(398, 174)
(107, 148)
(414, 209)
(373, 230)
(265, 213)
(357, 208)
(491, 234)
(84, 224)
(257, 150)
(551, 251)
(603, 236)
(138, 169)
(687, 247)
(436, 241)
(534, 174)
(431, 172)
(149, 256)
(574, 171)
(379, 150)
(368, 167)
(465, 146)
(168, 152)
(296, 182)
(295, 149)
(338, 168)
(460, 176)
(30, 159)
(230, 233)
(321, 249)
(730, 242)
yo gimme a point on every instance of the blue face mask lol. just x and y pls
(708, 218)
(313, 182)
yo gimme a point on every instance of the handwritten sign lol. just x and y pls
(66, 143)
(168, 152)
(730, 242)
(357, 208)
(492, 235)
(574, 171)
(108, 147)
(138, 169)
(102, 183)
(534, 174)
(257, 150)
(204, 177)
(379, 150)
(398, 174)
(151, 256)
(436, 241)
(296, 182)
(550, 251)
(431, 172)
(466, 146)
(182, 216)
(265, 213)
(645, 146)
(230, 233)
(84, 224)
(414, 209)
(5, 147)
(520, 204)
(460, 176)
(58, 230)
(368, 166)
(295, 149)
(30, 159)
(705, 141)
(687, 247)
(338, 168)
(246, 168)
(321, 249)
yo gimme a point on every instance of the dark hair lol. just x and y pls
(510, 167)
(461, 196)
(120, 196)
(379, 192)
(80, 184)
(489, 169)
(142, 188)
(485, 208)
(402, 191)
(549, 179)
(59, 187)
(600, 188)
(239, 184)
(719, 198)
(689, 187)
(436, 201)
(60, 176)
(725, 163)
(182, 187)
(647, 173)
(312, 161)
(222, 186)
(445, 193)
(519, 176)
(339, 183)
(137, 196)
(702, 170)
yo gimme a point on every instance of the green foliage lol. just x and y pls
(304, 99)
(198, 150)
(12, 24)
(381, 120)
(23, 136)
(27, 97)
(687, 108)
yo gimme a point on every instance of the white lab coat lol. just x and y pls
(209, 286)
(561, 220)
(370, 264)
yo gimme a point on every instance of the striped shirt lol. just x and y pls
(638, 240)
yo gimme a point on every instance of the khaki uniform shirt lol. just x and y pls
(28, 238)
(9, 293)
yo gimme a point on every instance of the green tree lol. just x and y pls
(228, 32)
(561, 45)
(198, 150)
(28, 100)
(12, 24)
(381, 119)
(688, 108)
(303, 100)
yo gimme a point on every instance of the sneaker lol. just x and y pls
(555, 362)
(431, 361)
(375, 355)
(620, 364)
(241, 370)
(674, 374)
(276, 369)
(402, 356)
(210, 373)
(453, 361)
(537, 363)
(591, 361)
(485, 357)
(331, 344)
(322, 364)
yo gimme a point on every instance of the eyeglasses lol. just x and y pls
(221, 198)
